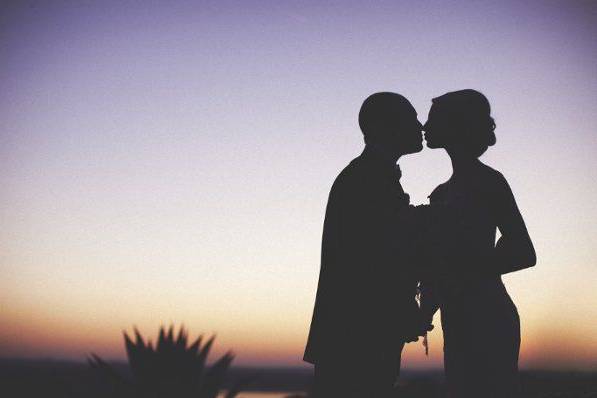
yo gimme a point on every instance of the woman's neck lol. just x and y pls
(461, 164)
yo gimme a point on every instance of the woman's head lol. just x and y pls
(460, 122)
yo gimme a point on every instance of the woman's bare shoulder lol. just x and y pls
(493, 179)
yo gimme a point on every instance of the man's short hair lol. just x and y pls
(378, 110)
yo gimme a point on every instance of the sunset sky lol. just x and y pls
(171, 163)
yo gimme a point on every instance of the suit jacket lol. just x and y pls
(367, 285)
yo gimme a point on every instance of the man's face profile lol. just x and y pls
(404, 131)
(389, 120)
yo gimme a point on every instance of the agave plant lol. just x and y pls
(172, 369)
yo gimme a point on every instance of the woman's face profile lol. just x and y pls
(435, 128)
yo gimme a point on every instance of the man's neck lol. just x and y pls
(382, 154)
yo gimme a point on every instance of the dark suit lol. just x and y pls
(365, 304)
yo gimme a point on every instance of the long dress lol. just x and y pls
(480, 322)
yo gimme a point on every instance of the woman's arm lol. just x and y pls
(514, 250)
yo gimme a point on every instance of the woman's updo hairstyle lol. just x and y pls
(466, 113)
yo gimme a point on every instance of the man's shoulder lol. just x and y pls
(438, 191)
(351, 177)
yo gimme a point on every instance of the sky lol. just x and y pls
(169, 162)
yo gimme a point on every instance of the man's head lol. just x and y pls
(390, 121)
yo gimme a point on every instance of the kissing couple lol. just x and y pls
(388, 266)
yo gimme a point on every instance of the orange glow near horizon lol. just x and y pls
(50, 334)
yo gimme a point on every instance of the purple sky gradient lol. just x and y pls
(172, 162)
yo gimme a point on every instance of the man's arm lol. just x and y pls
(424, 260)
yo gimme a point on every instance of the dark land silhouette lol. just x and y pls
(33, 378)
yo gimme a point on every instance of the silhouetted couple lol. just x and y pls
(378, 252)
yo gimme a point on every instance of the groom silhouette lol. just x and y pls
(365, 308)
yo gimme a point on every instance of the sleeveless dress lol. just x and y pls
(480, 322)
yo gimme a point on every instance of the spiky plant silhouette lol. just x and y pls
(172, 369)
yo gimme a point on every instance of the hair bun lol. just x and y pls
(469, 114)
(491, 139)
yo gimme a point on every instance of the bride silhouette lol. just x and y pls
(480, 322)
